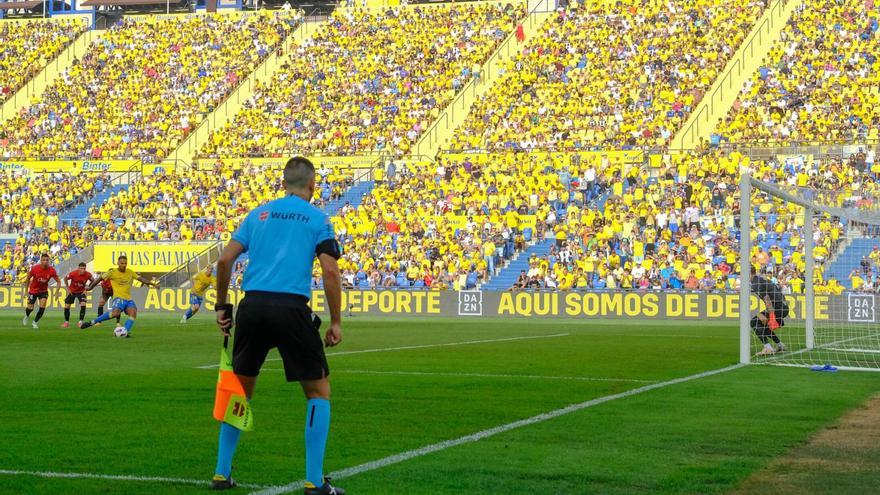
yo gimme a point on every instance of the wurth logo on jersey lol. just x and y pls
(296, 217)
(264, 216)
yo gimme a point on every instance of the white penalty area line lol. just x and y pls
(423, 346)
(429, 449)
(486, 375)
(117, 477)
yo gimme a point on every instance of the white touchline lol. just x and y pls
(429, 449)
(423, 346)
(486, 375)
(116, 477)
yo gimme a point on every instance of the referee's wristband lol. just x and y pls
(223, 307)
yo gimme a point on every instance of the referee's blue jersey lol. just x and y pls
(281, 238)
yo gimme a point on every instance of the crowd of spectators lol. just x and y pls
(369, 80)
(609, 74)
(449, 224)
(679, 229)
(143, 86)
(819, 82)
(866, 278)
(28, 46)
(452, 224)
(31, 206)
(187, 205)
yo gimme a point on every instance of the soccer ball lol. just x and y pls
(120, 332)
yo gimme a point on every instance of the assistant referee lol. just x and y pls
(283, 237)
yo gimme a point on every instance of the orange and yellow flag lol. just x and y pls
(230, 403)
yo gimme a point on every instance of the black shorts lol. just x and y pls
(266, 320)
(75, 297)
(107, 294)
(32, 298)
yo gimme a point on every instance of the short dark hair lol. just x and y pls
(298, 172)
(44, 255)
(122, 257)
(82, 265)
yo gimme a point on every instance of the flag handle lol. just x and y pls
(226, 341)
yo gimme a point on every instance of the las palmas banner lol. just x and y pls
(155, 257)
(852, 307)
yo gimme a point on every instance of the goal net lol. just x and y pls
(821, 249)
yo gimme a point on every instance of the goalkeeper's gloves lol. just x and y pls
(771, 321)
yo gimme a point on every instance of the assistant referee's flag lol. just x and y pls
(230, 403)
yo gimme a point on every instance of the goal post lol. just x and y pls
(822, 249)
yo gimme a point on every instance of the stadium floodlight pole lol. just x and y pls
(745, 267)
(810, 312)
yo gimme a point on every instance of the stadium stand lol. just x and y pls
(29, 45)
(196, 204)
(143, 86)
(819, 84)
(678, 229)
(609, 74)
(859, 264)
(38, 201)
(370, 80)
(32, 207)
(449, 224)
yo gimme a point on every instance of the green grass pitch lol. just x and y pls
(85, 402)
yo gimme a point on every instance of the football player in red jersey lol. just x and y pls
(106, 296)
(76, 282)
(37, 283)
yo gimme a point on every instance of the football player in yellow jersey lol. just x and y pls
(121, 279)
(201, 282)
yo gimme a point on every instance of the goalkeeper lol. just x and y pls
(283, 238)
(766, 322)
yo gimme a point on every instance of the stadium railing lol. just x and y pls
(765, 151)
(467, 96)
(725, 82)
(261, 72)
(23, 94)
(182, 274)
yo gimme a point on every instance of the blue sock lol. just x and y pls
(226, 448)
(128, 324)
(317, 428)
(102, 317)
(189, 313)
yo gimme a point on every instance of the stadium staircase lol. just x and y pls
(180, 276)
(37, 84)
(507, 276)
(719, 99)
(226, 111)
(87, 255)
(80, 213)
(439, 133)
(841, 267)
(353, 196)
